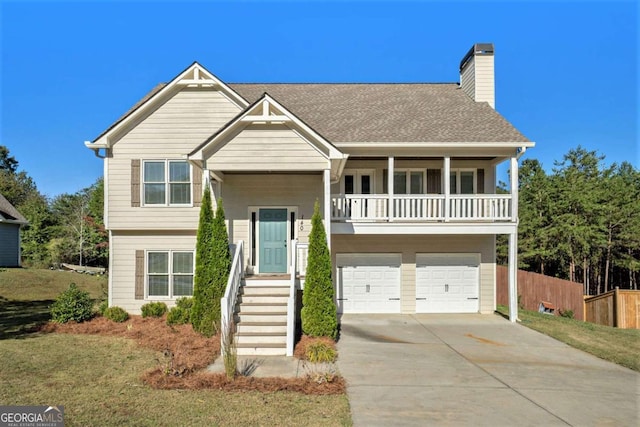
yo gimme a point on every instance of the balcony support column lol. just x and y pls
(513, 276)
(513, 172)
(390, 188)
(326, 179)
(446, 182)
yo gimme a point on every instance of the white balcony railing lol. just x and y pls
(421, 207)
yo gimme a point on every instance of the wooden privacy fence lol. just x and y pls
(534, 288)
(619, 308)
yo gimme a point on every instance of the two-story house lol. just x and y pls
(405, 175)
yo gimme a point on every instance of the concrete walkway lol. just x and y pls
(264, 366)
(476, 370)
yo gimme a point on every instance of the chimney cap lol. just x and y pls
(478, 49)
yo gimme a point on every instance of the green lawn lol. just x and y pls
(621, 346)
(97, 378)
(26, 294)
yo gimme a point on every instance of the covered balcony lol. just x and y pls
(423, 190)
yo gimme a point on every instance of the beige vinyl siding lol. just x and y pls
(468, 78)
(477, 79)
(241, 192)
(170, 132)
(267, 148)
(484, 75)
(123, 263)
(379, 166)
(409, 245)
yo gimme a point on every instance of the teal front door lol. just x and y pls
(273, 241)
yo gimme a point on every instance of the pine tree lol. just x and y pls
(203, 295)
(319, 317)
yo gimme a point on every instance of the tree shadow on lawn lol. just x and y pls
(21, 319)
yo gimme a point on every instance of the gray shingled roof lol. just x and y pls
(396, 112)
(381, 112)
(9, 212)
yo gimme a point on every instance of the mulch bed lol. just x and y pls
(205, 380)
(300, 351)
(186, 353)
(190, 350)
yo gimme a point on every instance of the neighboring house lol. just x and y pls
(405, 175)
(11, 221)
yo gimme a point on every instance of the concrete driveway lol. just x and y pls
(476, 370)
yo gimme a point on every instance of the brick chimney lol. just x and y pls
(477, 76)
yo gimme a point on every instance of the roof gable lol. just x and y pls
(266, 110)
(193, 76)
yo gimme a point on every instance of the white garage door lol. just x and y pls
(447, 283)
(368, 283)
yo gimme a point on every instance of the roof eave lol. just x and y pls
(12, 220)
(426, 144)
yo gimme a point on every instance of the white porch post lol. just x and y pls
(327, 204)
(390, 173)
(207, 182)
(513, 275)
(446, 180)
(513, 171)
(206, 177)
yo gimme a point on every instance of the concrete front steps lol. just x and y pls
(261, 318)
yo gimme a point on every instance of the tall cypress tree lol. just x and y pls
(203, 310)
(319, 314)
(221, 262)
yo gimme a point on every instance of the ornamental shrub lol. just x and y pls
(566, 313)
(103, 307)
(320, 352)
(72, 304)
(116, 314)
(213, 261)
(154, 309)
(319, 314)
(181, 313)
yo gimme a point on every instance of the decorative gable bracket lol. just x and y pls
(269, 114)
(195, 78)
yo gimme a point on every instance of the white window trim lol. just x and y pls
(170, 273)
(167, 201)
(256, 210)
(457, 172)
(357, 173)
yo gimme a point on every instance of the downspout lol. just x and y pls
(521, 152)
(95, 149)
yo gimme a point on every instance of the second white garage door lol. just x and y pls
(447, 283)
(368, 283)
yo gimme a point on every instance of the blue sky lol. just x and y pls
(566, 72)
